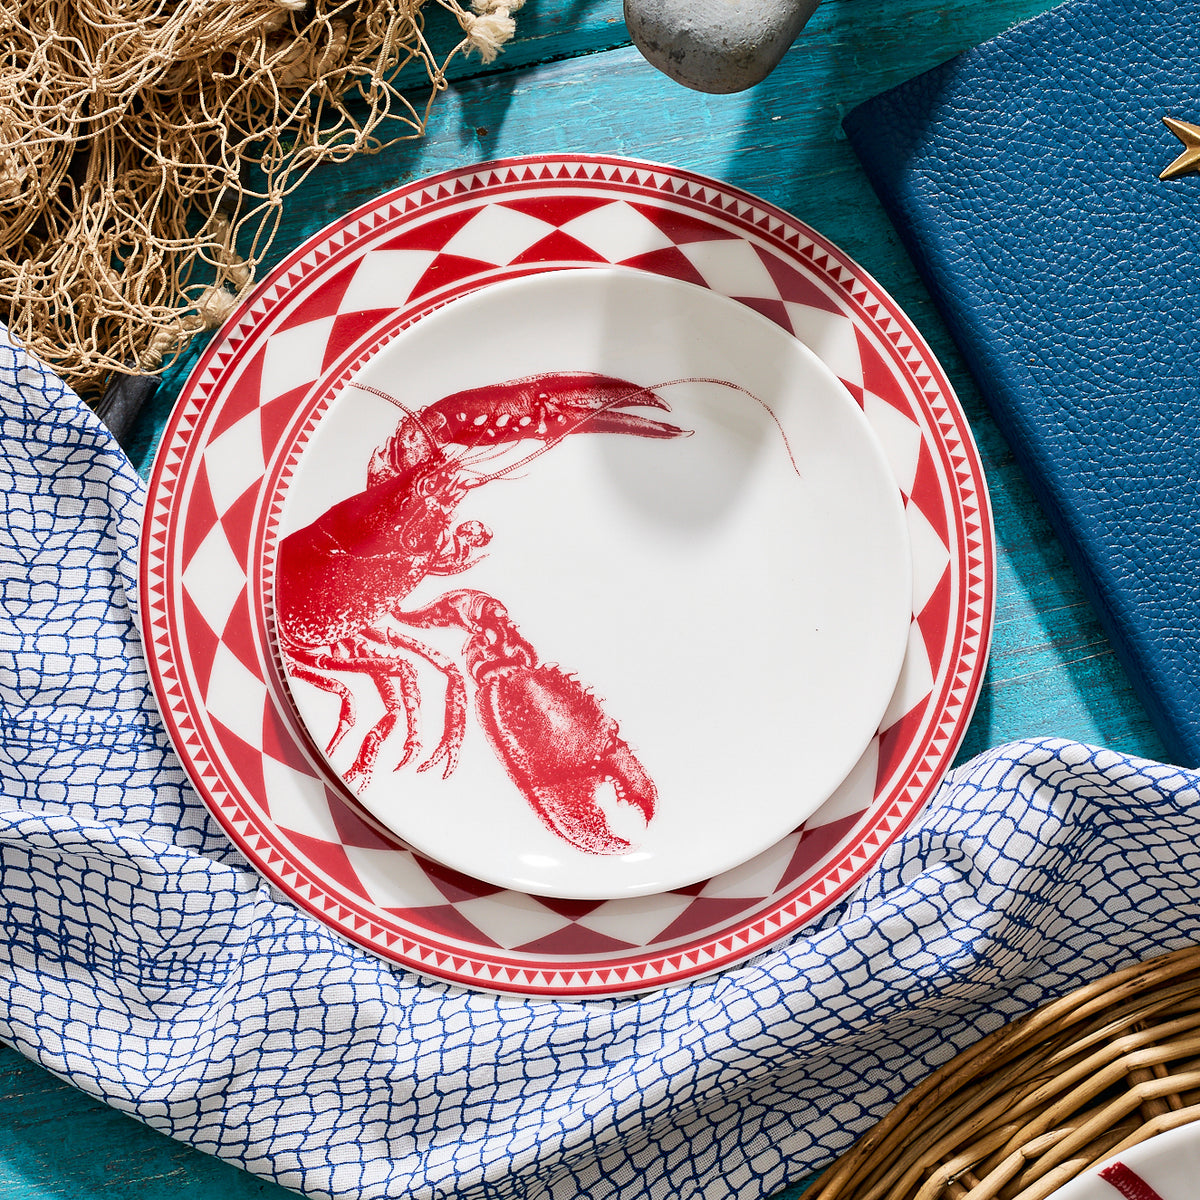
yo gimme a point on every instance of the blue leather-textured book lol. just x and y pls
(1023, 176)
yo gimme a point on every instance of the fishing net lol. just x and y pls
(147, 147)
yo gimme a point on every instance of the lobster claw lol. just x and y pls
(549, 406)
(546, 408)
(562, 751)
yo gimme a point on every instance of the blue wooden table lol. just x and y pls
(571, 82)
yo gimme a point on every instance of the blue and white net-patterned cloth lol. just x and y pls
(144, 962)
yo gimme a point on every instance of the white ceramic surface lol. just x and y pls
(737, 597)
(1164, 1167)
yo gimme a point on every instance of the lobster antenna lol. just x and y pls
(412, 414)
(737, 387)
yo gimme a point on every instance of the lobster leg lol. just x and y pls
(399, 692)
(455, 723)
(327, 683)
(374, 655)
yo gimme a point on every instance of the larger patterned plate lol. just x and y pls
(218, 486)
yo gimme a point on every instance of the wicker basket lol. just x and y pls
(1042, 1099)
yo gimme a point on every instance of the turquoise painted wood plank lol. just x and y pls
(56, 1142)
(545, 33)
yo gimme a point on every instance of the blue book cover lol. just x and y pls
(1023, 177)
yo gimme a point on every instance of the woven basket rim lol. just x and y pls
(1043, 1098)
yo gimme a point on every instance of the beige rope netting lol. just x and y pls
(147, 146)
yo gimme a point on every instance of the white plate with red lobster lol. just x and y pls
(221, 497)
(606, 607)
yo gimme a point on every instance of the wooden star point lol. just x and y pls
(1189, 161)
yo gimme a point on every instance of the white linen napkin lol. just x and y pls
(143, 961)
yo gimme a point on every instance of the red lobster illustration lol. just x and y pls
(340, 579)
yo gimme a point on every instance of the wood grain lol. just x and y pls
(571, 82)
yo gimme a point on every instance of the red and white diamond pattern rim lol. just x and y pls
(218, 484)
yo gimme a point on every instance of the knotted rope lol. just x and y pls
(147, 147)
